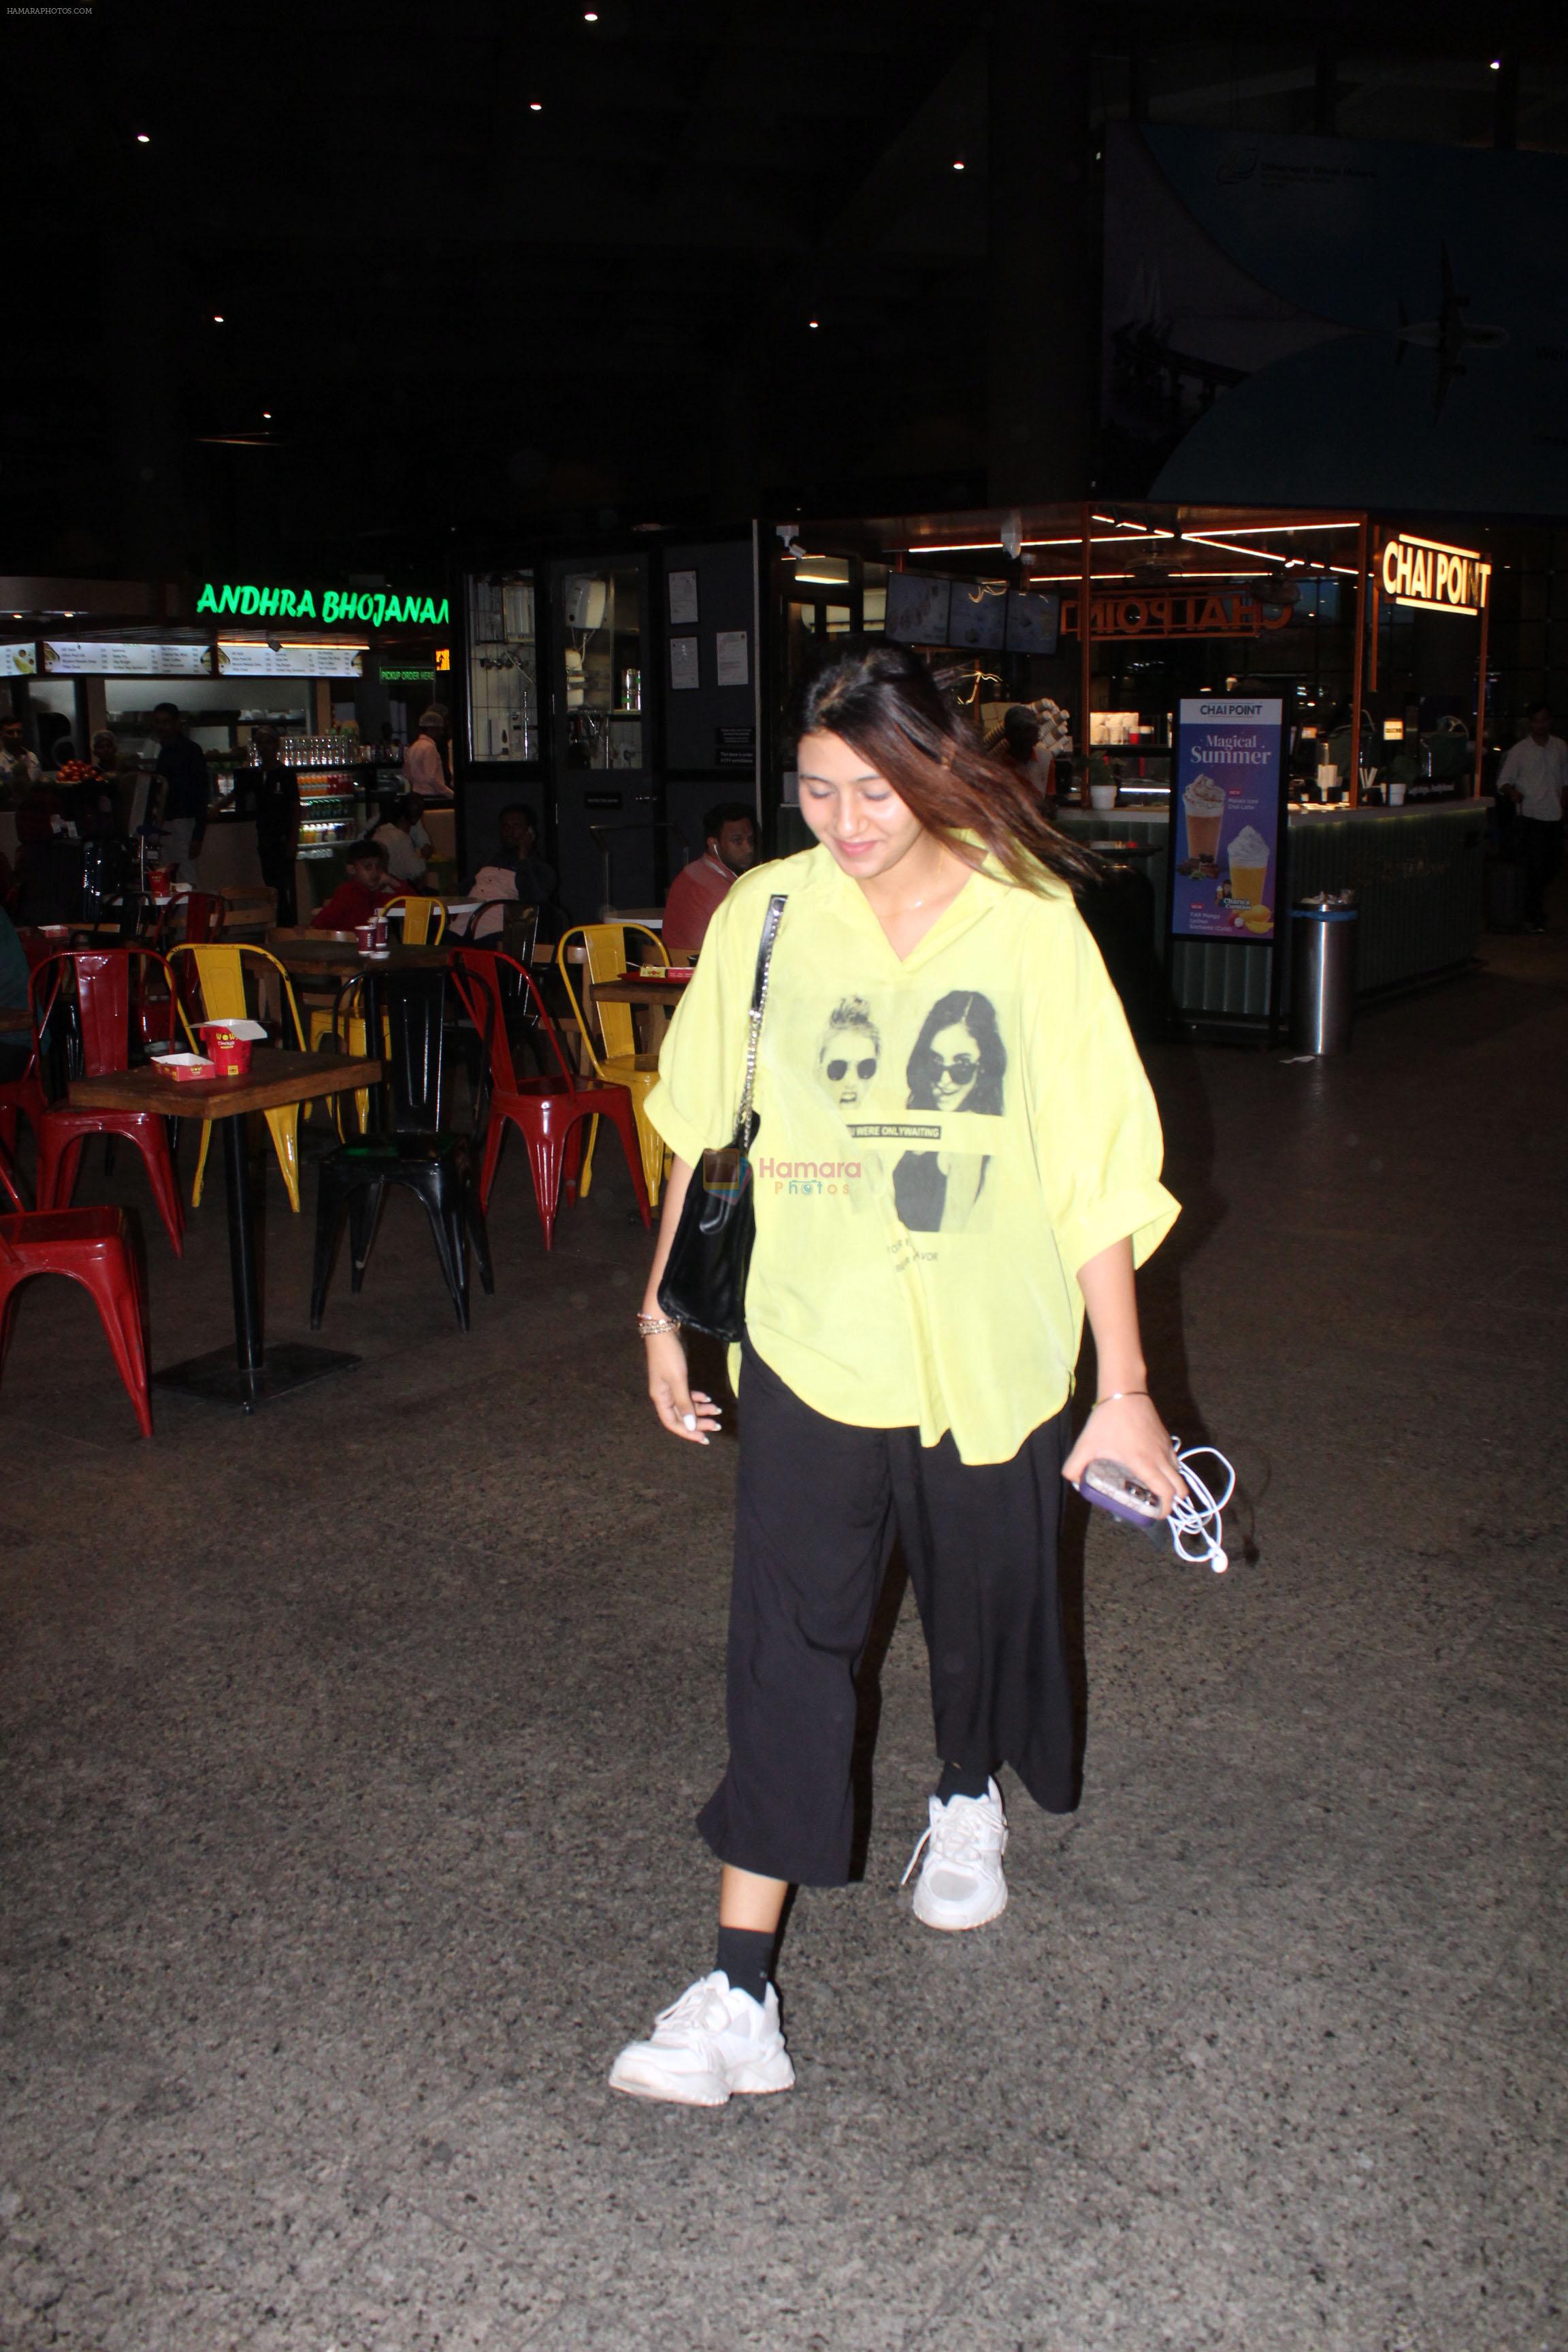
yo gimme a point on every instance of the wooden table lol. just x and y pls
(643, 996)
(668, 992)
(330, 959)
(273, 1080)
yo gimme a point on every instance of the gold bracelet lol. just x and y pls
(1117, 1396)
(652, 1326)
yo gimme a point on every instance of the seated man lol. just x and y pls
(408, 844)
(358, 896)
(698, 889)
(516, 853)
(517, 849)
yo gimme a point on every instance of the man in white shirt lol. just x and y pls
(1535, 774)
(424, 770)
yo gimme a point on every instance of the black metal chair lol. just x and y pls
(408, 1148)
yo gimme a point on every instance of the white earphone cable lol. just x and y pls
(1196, 1520)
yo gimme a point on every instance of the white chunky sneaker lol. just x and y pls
(961, 1882)
(707, 2046)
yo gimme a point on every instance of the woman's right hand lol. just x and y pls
(684, 1411)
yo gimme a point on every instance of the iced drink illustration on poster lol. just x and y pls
(1225, 817)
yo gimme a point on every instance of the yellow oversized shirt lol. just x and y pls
(943, 1142)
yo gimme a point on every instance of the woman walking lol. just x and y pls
(929, 1238)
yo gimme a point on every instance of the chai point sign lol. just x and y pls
(1433, 576)
(361, 607)
(1176, 613)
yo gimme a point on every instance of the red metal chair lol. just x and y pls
(97, 1248)
(102, 1000)
(548, 1110)
(204, 911)
(23, 1095)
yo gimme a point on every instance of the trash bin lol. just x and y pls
(1121, 915)
(1323, 973)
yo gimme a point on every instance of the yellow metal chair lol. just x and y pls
(424, 921)
(615, 1059)
(347, 1031)
(220, 980)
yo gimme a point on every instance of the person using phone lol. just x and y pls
(958, 1160)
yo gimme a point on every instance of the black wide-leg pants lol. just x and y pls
(817, 1505)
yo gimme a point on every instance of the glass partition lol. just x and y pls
(601, 617)
(503, 668)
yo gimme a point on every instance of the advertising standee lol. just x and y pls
(1225, 819)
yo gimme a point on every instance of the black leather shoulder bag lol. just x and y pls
(705, 1278)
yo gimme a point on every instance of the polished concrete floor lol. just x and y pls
(351, 1752)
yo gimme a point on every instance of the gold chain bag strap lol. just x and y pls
(704, 1280)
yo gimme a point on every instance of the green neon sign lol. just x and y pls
(372, 609)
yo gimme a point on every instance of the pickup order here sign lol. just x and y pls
(1225, 819)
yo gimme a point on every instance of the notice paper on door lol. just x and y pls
(684, 671)
(734, 667)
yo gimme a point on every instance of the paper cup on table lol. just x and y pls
(1395, 795)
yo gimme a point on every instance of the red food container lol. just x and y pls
(231, 1055)
(229, 1044)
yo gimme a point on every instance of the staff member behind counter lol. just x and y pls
(273, 794)
(187, 789)
(424, 765)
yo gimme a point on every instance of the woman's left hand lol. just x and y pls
(1131, 1433)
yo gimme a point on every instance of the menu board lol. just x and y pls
(18, 661)
(290, 661)
(1227, 820)
(113, 658)
(985, 615)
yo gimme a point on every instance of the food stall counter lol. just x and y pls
(1417, 872)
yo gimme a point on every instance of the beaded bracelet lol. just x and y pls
(652, 1326)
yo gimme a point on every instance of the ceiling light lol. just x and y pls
(267, 416)
(959, 165)
(218, 317)
(1497, 64)
(811, 322)
(536, 106)
(143, 139)
(590, 15)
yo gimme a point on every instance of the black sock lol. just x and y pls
(961, 1781)
(746, 1956)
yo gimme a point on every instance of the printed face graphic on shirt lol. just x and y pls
(959, 1060)
(849, 1052)
(958, 1065)
(955, 1065)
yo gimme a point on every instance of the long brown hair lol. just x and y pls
(882, 700)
